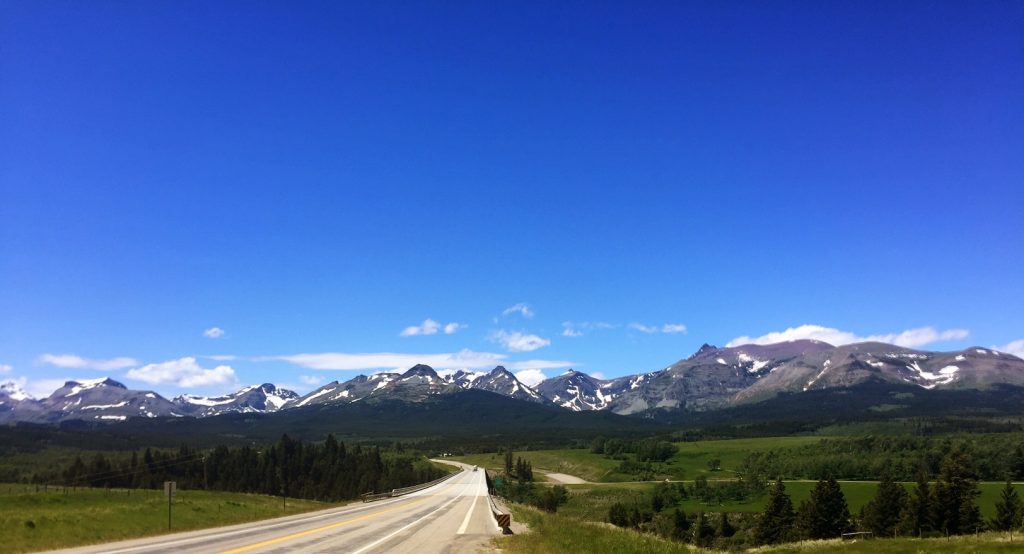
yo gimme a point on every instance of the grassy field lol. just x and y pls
(578, 462)
(693, 457)
(690, 462)
(559, 533)
(592, 501)
(33, 521)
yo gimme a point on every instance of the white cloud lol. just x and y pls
(571, 332)
(597, 375)
(213, 333)
(222, 357)
(577, 328)
(453, 328)
(183, 372)
(41, 388)
(911, 338)
(1016, 348)
(649, 329)
(71, 361)
(465, 359)
(668, 328)
(514, 341)
(6, 368)
(310, 379)
(538, 364)
(521, 309)
(429, 327)
(531, 377)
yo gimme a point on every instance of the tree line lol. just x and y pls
(946, 507)
(996, 457)
(330, 471)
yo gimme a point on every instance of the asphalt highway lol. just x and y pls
(450, 517)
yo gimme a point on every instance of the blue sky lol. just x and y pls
(604, 186)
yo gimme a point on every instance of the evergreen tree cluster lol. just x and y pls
(330, 471)
(994, 456)
(949, 505)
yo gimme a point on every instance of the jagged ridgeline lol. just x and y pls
(741, 380)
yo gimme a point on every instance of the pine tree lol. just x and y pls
(954, 510)
(508, 462)
(1009, 510)
(825, 514)
(618, 515)
(882, 514)
(916, 516)
(725, 528)
(776, 522)
(681, 524)
(703, 534)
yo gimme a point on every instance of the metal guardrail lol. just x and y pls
(372, 496)
(504, 519)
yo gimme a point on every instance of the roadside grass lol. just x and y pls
(964, 544)
(33, 521)
(556, 533)
(561, 534)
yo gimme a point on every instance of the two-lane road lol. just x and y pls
(453, 516)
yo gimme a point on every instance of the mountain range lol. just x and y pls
(710, 379)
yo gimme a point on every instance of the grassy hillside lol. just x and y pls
(560, 534)
(33, 521)
(690, 462)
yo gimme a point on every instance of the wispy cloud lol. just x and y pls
(71, 361)
(222, 357)
(213, 333)
(911, 338)
(464, 359)
(6, 368)
(1016, 348)
(452, 328)
(538, 364)
(428, 327)
(183, 372)
(515, 341)
(521, 309)
(668, 328)
(311, 380)
(577, 328)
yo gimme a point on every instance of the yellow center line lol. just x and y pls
(333, 525)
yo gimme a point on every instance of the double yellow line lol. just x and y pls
(308, 532)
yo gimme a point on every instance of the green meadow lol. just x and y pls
(560, 534)
(33, 521)
(689, 463)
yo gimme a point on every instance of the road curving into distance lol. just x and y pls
(452, 517)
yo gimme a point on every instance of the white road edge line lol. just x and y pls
(469, 514)
(345, 511)
(403, 528)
